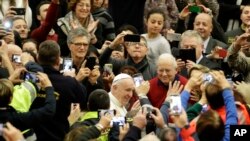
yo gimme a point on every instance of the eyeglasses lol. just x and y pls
(81, 44)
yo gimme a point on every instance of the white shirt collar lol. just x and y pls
(115, 104)
(198, 60)
(205, 43)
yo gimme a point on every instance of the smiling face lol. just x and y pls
(123, 91)
(155, 23)
(166, 71)
(137, 50)
(21, 27)
(83, 9)
(203, 24)
(79, 47)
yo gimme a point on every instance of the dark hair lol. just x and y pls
(40, 5)
(210, 126)
(156, 11)
(30, 40)
(48, 53)
(92, 49)
(98, 99)
(130, 70)
(72, 4)
(214, 96)
(127, 27)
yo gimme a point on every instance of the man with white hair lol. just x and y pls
(121, 91)
(166, 72)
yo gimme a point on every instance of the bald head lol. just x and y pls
(203, 24)
(14, 49)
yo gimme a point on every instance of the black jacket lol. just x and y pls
(32, 118)
(67, 90)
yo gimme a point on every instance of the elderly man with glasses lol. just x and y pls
(137, 58)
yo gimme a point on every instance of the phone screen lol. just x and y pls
(91, 62)
(16, 58)
(194, 9)
(187, 54)
(118, 120)
(108, 69)
(175, 104)
(31, 77)
(138, 79)
(67, 64)
(102, 112)
(132, 38)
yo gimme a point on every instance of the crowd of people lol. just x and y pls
(167, 70)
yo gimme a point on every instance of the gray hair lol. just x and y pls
(77, 32)
(192, 34)
(169, 57)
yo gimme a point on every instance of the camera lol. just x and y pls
(208, 78)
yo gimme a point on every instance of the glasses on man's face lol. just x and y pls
(81, 44)
(136, 43)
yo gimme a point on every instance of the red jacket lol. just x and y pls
(40, 34)
(158, 91)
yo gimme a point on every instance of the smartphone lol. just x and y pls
(148, 115)
(187, 54)
(132, 38)
(31, 77)
(108, 69)
(91, 62)
(173, 36)
(19, 11)
(102, 112)
(194, 9)
(222, 53)
(175, 104)
(67, 64)
(208, 78)
(118, 120)
(16, 58)
(138, 79)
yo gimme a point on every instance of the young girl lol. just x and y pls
(157, 44)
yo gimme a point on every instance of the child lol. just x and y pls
(157, 44)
